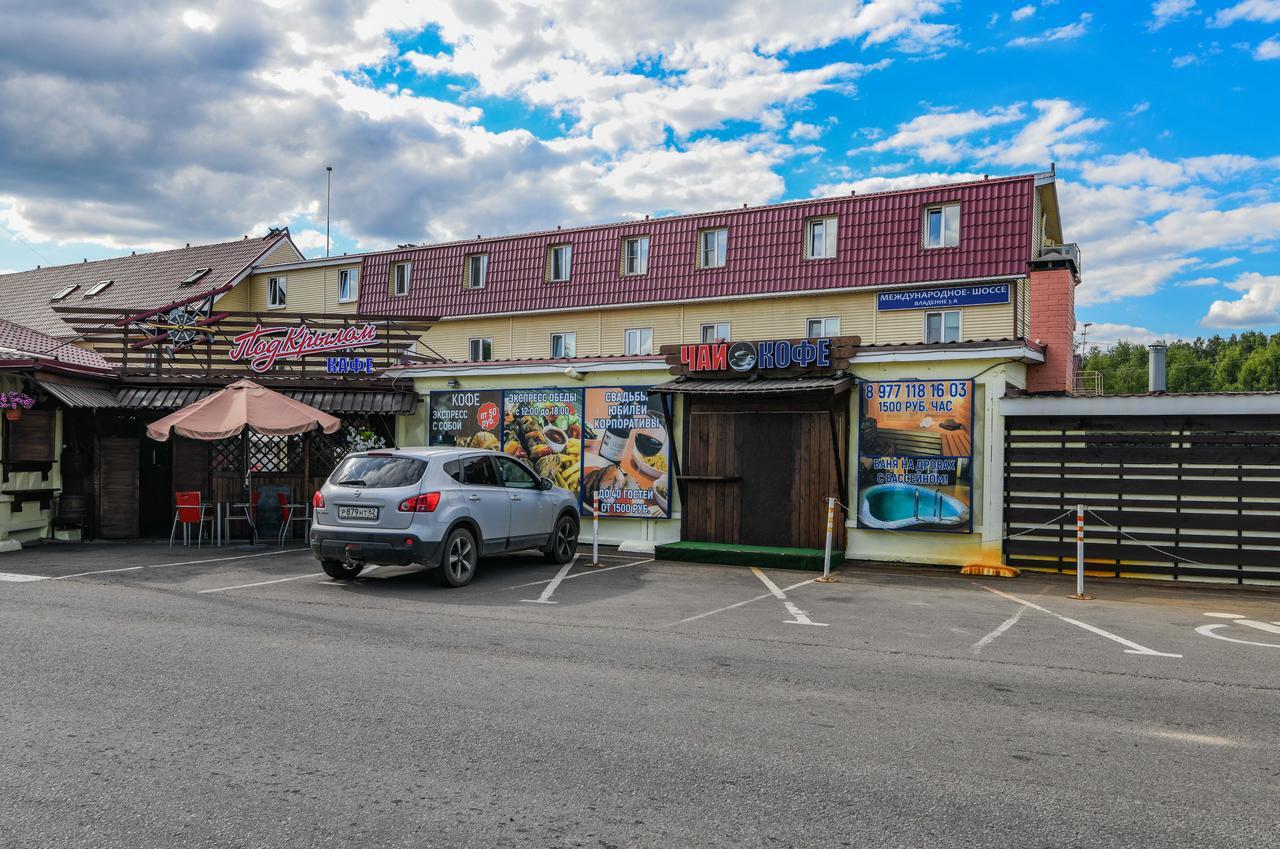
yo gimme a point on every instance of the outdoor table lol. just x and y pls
(225, 511)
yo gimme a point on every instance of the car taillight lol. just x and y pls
(425, 503)
(317, 500)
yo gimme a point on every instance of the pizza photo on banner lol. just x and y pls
(915, 456)
(465, 419)
(544, 428)
(626, 453)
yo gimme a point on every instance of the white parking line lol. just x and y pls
(580, 574)
(259, 583)
(21, 579)
(1133, 648)
(737, 604)
(545, 598)
(801, 618)
(179, 563)
(1000, 629)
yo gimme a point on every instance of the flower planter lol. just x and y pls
(13, 415)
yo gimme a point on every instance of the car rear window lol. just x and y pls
(379, 472)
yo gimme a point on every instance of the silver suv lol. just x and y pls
(441, 507)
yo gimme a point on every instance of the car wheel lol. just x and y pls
(458, 565)
(341, 571)
(564, 541)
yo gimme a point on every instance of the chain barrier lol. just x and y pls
(1175, 558)
(1022, 532)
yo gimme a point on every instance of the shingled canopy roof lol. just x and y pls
(18, 342)
(136, 281)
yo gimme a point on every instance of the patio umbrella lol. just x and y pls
(243, 404)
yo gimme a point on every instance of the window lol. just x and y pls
(713, 245)
(62, 293)
(348, 285)
(635, 255)
(516, 475)
(194, 276)
(942, 226)
(480, 350)
(453, 469)
(564, 345)
(98, 288)
(558, 262)
(942, 326)
(277, 293)
(821, 328)
(380, 472)
(475, 271)
(479, 471)
(715, 332)
(639, 341)
(400, 278)
(820, 238)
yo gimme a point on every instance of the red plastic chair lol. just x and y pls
(289, 513)
(190, 511)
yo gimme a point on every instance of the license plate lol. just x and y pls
(357, 512)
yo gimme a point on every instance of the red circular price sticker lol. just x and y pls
(487, 416)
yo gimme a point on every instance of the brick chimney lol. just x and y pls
(1053, 277)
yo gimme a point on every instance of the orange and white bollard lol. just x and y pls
(1080, 594)
(595, 529)
(827, 577)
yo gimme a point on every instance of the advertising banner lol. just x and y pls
(626, 454)
(544, 428)
(915, 456)
(466, 419)
(961, 296)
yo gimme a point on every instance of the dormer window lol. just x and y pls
(559, 263)
(713, 247)
(475, 271)
(942, 226)
(98, 288)
(400, 278)
(820, 238)
(62, 293)
(194, 276)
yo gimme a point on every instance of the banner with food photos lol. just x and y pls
(544, 428)
(626, 453)
(611, 441)
(467, 419)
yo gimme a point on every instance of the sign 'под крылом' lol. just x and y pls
(740, 359)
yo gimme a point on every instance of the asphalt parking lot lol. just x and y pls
(235, 697)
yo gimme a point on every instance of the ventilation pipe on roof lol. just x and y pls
(1156, 382)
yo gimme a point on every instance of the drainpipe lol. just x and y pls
(1156, 378)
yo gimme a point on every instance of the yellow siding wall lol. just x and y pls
(283, 252)
(602, 332)
(308, 290)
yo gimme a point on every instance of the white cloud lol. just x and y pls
(1104, 334)
(893, 184)
(1139, 108)
(937, 136)
(800, 131)
(1062, 33)
(1269, 49)
(1186, 59)
(1200, 281)
(1222, 263)
(1166, 12)
(1056, 134)
(1263, 11)
(1258, 306)
(1140, 167)
(1022, 12)
(309, 241)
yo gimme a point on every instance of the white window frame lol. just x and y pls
(63, 294)
(478, 343)
(830, 235)
(395, 278)
(277, 284)
(946, 210)
(824, 320)
(568, 343)
(642, 255)
(467, 281)
(194, 276)
(942, 327)
(714, 335)
(637, 350)
(552, 250)
(718, 255)
(352, 276)
(98, 288)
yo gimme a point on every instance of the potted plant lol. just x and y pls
(13, 403)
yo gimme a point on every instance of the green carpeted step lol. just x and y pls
(774, 557)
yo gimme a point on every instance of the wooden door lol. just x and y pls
(117, 487)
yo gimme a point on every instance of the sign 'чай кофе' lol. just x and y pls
(741, 359)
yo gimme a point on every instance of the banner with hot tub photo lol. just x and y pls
(915, 456)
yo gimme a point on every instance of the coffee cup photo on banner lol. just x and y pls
(915, 456)
(626, 460)
(466, 419)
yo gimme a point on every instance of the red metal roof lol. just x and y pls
(879, 243)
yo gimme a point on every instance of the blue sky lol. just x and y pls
(199, 121)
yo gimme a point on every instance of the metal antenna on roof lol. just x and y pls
(328, 195)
